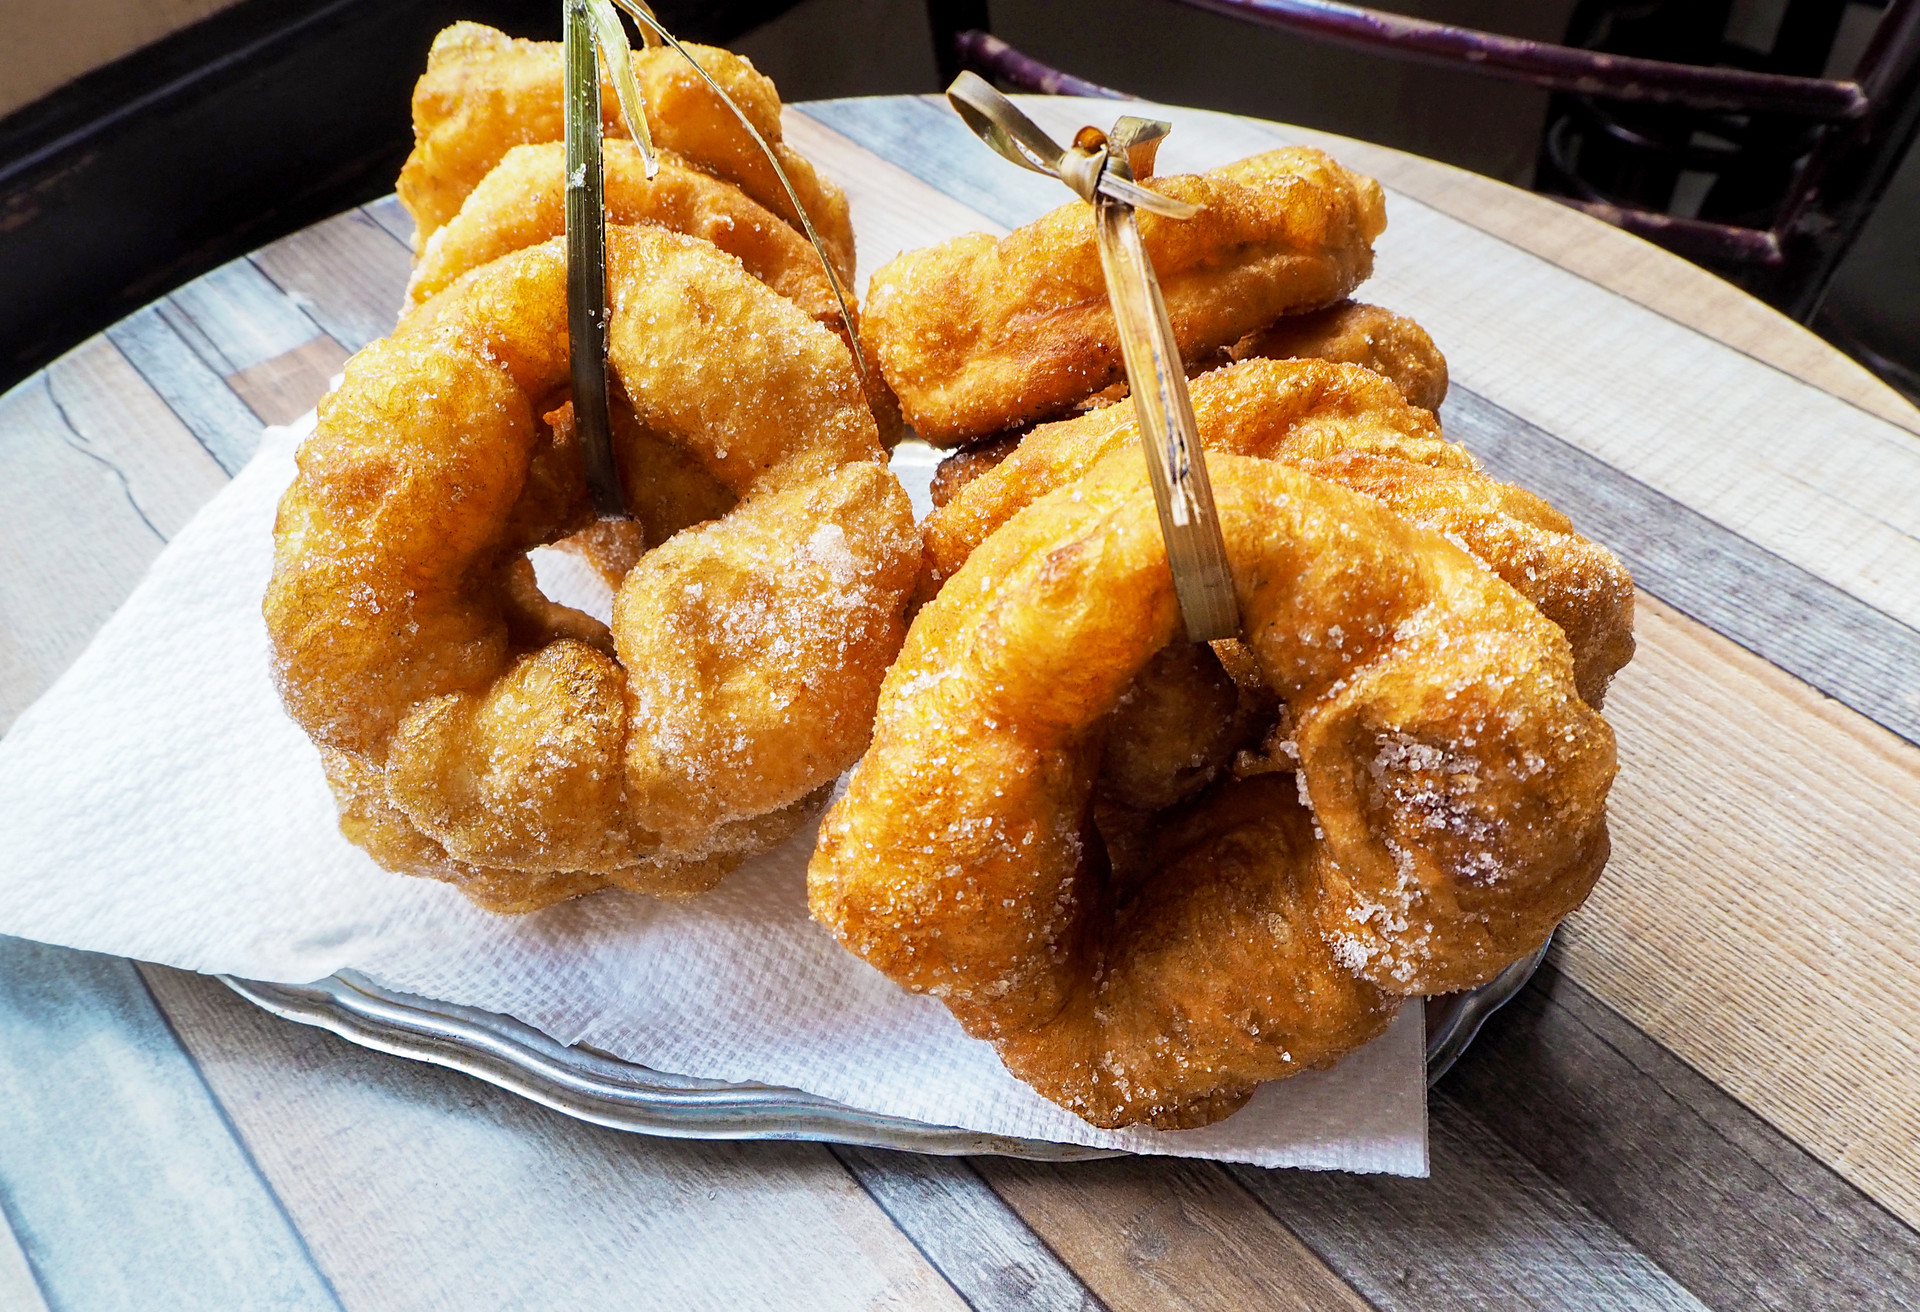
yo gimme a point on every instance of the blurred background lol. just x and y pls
(145, 141)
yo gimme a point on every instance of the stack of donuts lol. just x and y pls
(1153, 873)
(475, 731)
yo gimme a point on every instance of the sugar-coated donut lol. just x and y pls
(476, 732)
(1431, 801)
(977, 335)
(485, 92)
(1354, 427)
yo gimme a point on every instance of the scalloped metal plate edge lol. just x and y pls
(603, 1090)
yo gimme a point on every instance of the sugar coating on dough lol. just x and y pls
(484, 92)
(476, 732)
(1354, 427)
(1413, 796)
(977, 335)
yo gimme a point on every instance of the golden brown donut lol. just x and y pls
(1353, 332)
(485, 92)
(978, 335)
(522, 202)
(1353, 426)
(477, 733)
(1457, 785)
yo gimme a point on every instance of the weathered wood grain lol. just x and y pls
(96, 473)
(282, 389)
(1725, 1203)
(348, 274)
(118, 1174)
(1772, 607)
(77, 542)
(1163, 1235)
(420, 1188)
(111, 415)
(391, 216)
(892, 212)
(1759, 916)
(192, 389)
(920, 136)
(19, 1291)
(1487, 1232)
(978, 1243)
(235, 318)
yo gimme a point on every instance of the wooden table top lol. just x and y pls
(1707, 1098)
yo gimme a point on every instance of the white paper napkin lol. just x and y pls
(157, 803)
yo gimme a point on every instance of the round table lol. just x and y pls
(1707, 1097)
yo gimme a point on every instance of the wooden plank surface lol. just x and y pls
(1722, 1201)
(193, 389)
(1820, 634)
(1166, 1236)
(122, 1182)
(1488, 1230)
(348, 274)
(1669, 1119)
(991, 1258)
(417, 1187)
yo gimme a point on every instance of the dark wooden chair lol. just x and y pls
(257, 121)
(1859, 127)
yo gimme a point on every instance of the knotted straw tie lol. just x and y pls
(1100, 169)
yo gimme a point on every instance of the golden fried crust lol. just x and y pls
(478, 733)
(967, 464)
(1458, 778)
(977, 335)
(484, 93)
(522, 202)
(1355, 333)
(1350, 425)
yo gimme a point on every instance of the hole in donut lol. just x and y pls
(666, 488)
(1195, 721)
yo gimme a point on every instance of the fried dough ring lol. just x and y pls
(1350, 332)
(1350, 425)
(485, 92)
(1457, 782)
(522, 202)
(977, 334)
(477, 733)
(1354, 332)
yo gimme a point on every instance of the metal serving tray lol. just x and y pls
(592, 1086)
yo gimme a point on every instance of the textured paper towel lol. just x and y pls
(158, 804)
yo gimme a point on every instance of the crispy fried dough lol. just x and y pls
(978, 335)
(1353, 426)
(523, 202)
(477, 733)
(1457, 781)
(485, 92)
(1353, 332)
(967, 464)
